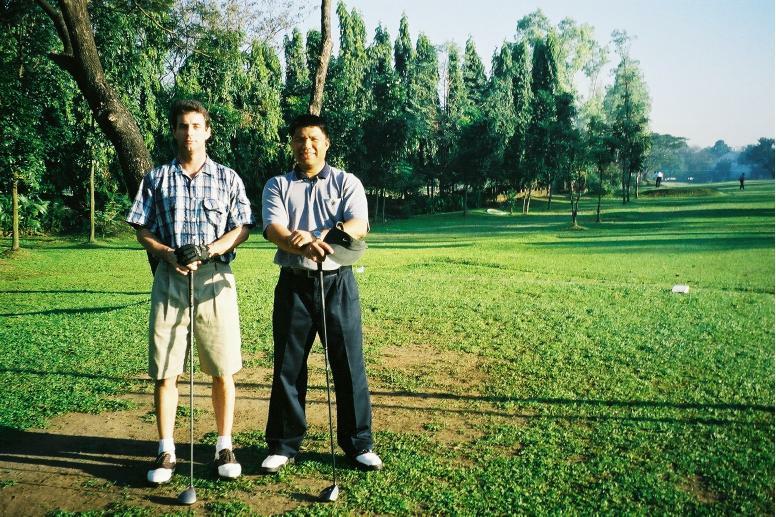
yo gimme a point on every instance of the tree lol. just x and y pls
(665, 153)
(316, 101)
(402, 50)
(601, 153)
(383, 125)
(627, 106)
(474, 75)
(515, 156)
(759, 157)
(544, 88)
(569, 150)
(422, 110)
(81, 60)
(296, 92)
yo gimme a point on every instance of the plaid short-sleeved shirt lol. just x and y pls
(179, 210)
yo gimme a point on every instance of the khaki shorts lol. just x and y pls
(216, 321)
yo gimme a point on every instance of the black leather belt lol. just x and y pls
(311, 273)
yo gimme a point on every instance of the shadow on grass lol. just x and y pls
(71, 291)
(675, 245)
(727, 406)
(74, 310)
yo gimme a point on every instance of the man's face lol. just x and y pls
(310, 145)
(191, 133)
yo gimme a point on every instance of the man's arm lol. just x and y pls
(298, 242)
(229, 241)
(159, 250)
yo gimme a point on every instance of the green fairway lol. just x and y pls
(584, 382)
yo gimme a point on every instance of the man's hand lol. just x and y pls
(299, 239)
(192, 255)
(316, 250)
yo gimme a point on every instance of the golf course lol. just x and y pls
(517, 365)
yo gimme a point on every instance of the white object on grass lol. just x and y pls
(681, 289)
(360, 269)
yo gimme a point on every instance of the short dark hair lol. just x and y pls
(308, 120)
(181, 106)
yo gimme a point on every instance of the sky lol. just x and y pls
(708, 64)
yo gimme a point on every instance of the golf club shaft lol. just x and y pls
(326, 362)
(191, 378)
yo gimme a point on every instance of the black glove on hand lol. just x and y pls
(189, 253)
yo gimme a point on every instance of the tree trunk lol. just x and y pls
(549, 195)
(316, 99)
(81, 60)
(15, 212)
(527, 200)
(598, 210)
(624, 186)
(628, 188)
(384, 199)
(92, 240)
(465, 199)
(377, 204)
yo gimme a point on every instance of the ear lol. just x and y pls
(207, 133)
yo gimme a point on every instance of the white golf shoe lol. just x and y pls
(226, 465)
(162, 469)
(367, 460)
(274, 463)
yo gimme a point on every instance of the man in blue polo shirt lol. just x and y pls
(190, 215)
(298, 209)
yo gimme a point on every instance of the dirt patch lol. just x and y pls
(697, 487)
(88, 462)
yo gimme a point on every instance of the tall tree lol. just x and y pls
(422, 112)
(474, 75)
(544, 88)
(601, 154)
(81, 60)
(402, 49)
(383, 127)
(345, 104)
(627, 105)
(296, 92)
(452, 120)
(316, 102)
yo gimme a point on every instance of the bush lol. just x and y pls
(110, 221)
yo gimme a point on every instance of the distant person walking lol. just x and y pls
(658, 179)
(741, 179)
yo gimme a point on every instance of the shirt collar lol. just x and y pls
(323, 174)
(207, 167)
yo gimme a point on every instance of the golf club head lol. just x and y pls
(329, 494)
(188, 496)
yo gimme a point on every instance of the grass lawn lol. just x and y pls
(585, 384)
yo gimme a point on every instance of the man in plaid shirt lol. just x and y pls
(190, 215)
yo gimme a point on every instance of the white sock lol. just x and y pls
(167, 445)
(223, 442)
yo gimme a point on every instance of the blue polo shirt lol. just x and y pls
(300, 203)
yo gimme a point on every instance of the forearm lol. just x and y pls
(280, 236)
(356, 228)
(229, 241)
(153, 245)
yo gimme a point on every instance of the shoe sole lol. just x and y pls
(227, 478)
(366, 468)
(154, 483)
(275, 470)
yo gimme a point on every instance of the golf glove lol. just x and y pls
(189, 253)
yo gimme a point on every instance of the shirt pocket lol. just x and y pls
(214, 211)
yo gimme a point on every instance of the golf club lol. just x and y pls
(329, 494)
(189, 496)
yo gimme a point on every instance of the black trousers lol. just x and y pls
(296, 319)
